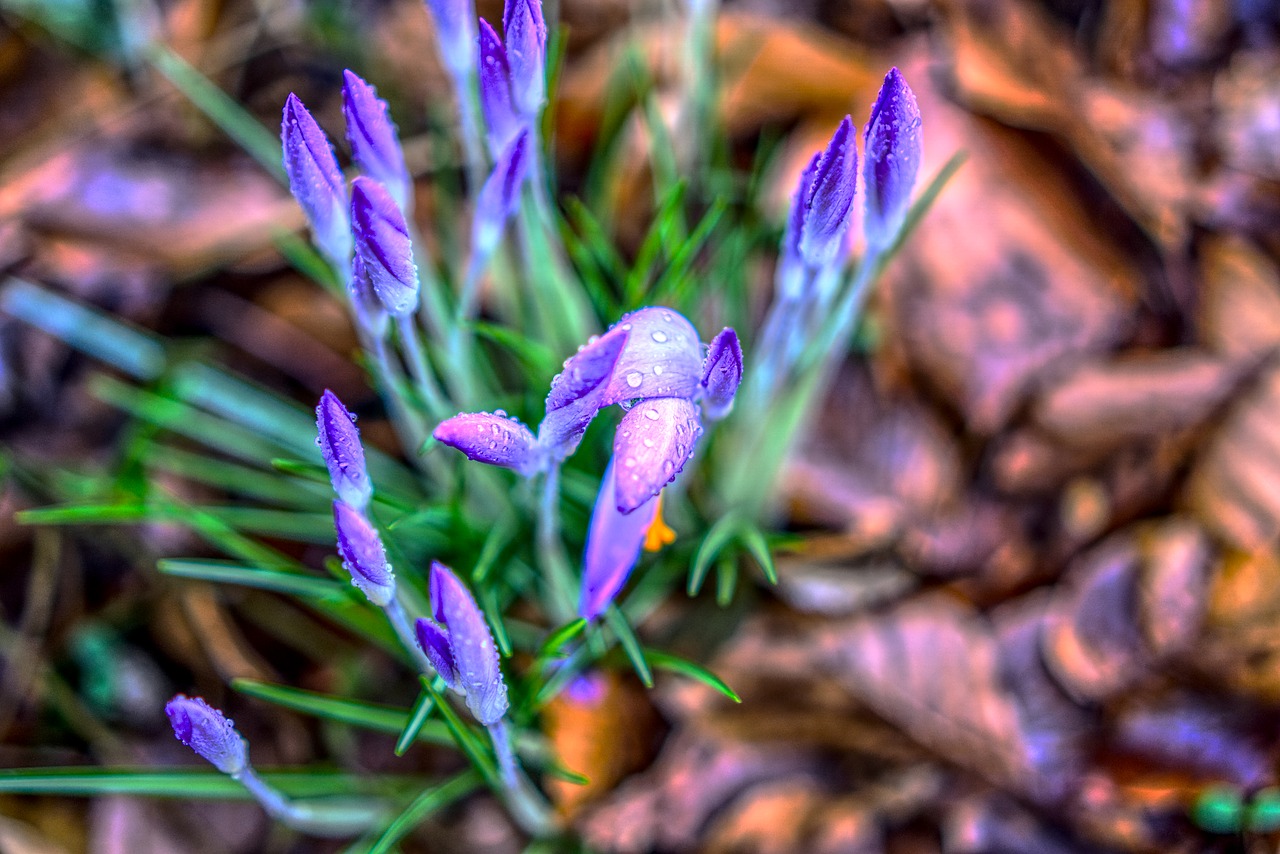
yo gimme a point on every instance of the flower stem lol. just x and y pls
(560, 585)
(528, 806)
(319, 816)
(404, 630)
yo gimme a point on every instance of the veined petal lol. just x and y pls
(490, 438)
(375, 145)
(475, 655)
(208, 732)
(721, 374)
(339, 441)
(576, 391)
(382, 240)
(654, 441)
(495, 90)
(435, 645)
(829, 208)
(500, 195)
(892, 159)
(613, 546)
(316, 181)
(526, 35)
(363, 554)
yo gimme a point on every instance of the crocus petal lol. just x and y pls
(576, 393)
(495, 90)
(613, 546)
(475, 655)
(208, 732)
(339, 441)
(490, 438)
(363, 554)
(654, 441)
(790, 275)
(721, 375)
(435, 645)
(455, 33)
(500, 195)
(316, 181)
(370, 313)
(892, 159)
(526, 34)
(830, 204)
(382, 240)
(375, 145)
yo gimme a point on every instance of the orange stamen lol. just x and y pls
(659, 534)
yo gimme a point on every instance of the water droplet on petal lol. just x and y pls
(634, 379)
(629, 462)
(657, 370)
(651, 414)
(660, 336)
(648, 443)
(668, 466)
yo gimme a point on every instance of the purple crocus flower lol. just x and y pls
(435, 643)
(208, 732)
(891, 159)
(339, 442)
(526, 39)
(495, 90)
(382, 241)
(316, 181)
(455, 33)
(828, 207)
(721, 374)
(373, 139)
(371, 314)
(500, 195)
(613, 546)
(475, 655)
(653, 443)
(363, 554)
(492, 438)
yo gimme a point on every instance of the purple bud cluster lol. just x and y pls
(513, 74)
(652, 362)
(359, 544)
(208, 732)
(458, 642)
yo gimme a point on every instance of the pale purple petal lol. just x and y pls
(339, 441)
(455, 33)
(721, 375)
(526, 35)
(892, 159)
(613, 546)
(490, 438)
(500, 195)
(375, 145)
(475, 655)
(829, 209)
(208, 732)
(382, 240)
(370, 313)
(576, 392)
(435, 645)
(495, 90)
(316, 181)
(363, 554)
(654, 441)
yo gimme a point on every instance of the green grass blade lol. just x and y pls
(726, 579)
(223, 572)
(561, 636)
(202, 783)
(464, 736)
(423, 806)
(370, 716)
(676, 664)
(716, 539)
(418, 716)
(753, 538)
(630, 644)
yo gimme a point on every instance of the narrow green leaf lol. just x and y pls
(224, 572)
(237, 478)
(676, 664)
(561, 636)
(370, 716)
(203, 783)
(488, 597)
(753, 538)
(422, 708)
(720, 534)
(494, 542)
(536, 357)
(726, 578)
(464, 736)
(630, 644)
(423, 806)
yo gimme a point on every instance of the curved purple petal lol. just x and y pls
(370, 313)
(208, 732)
(316, 181)
(382, 241)
(475, 655)
(613, 546)
(829, 208)
(721, 374)
(526, 35)
(375, 145)
(495, 90)
(576, 391)
(435, 645)
(892, 159)
(654, 441)
(339, 441)
(491, 438)
(500, 195)
(455, 33)
(363, 554)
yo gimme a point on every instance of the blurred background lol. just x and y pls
(1032, 603)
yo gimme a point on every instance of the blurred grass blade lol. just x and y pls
(186, 783)
(464, 736)
(753, 538)
(370, 716)
(493, 613)
(676, 664)
(630, 644)
(88, 330)
(716, 539)
(423, 806)
(561, 636)
(223, 110)
(418, 716)
(223, 572)
(726, 578)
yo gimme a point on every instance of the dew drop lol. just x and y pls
(651, 414)
(493, 446)
(668, 466)
(634, 379)
(660, 336)
(648, 443)
(501, 413)
(657, 370)
(629, 462)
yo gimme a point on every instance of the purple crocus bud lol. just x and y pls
(576, 393)
(455, 33)
(316, 181)
(828, 208)
(208, 732)
(491, 438)
(790, 275)
(500, 195)
(526, 34)
(363, 554)
(613, 546)
(339, 442)
(654, 441)
(475, 655)
(382, 241)
(495, 90)
(721, 374)
(373, 139)
(370, 313)
(892, 159)
(435, 644)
